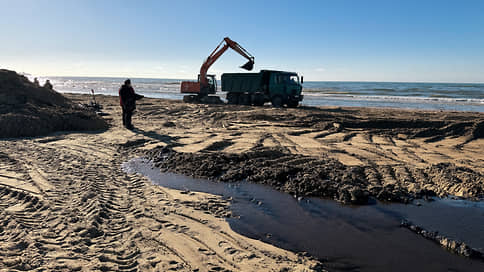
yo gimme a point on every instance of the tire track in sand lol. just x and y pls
(85, 213)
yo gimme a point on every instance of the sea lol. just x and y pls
(408, 95)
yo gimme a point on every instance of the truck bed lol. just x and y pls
(241, 82)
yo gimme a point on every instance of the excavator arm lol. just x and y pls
(199, 87)
(218, 51)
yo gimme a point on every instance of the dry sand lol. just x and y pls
(66, 203)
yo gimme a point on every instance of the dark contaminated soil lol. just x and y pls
(30, 110)
(450, 244)
(302, 175)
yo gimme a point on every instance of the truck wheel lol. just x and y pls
(233, 98)
(258, 100)
(276, 101)
(292, 103)
(244, 99)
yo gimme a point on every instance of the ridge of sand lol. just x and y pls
(30, 110)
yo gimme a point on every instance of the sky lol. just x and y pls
(401, 41)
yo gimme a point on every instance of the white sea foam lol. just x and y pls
(397, 99)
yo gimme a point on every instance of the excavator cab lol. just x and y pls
(201, 93)
(211, 88)
(199, 89)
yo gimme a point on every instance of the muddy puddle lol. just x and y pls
(345, 238)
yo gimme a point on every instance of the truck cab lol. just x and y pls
(284, 89)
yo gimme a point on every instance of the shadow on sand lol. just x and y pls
(169, 140)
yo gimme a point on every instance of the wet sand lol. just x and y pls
(67, 204)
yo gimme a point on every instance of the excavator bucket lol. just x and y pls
(248, 66)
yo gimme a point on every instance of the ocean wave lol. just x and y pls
(385, 90)
(403, 99)
(476, 93)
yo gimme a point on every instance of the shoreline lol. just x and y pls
(346, 104)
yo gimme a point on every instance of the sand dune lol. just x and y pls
(27, 109)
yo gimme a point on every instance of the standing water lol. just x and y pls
(346, 238)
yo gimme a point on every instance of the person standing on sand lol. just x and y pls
(127, 100)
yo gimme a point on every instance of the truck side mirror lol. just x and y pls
(302, 79)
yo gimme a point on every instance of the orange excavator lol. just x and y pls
(207, 84)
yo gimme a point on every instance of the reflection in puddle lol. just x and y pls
(346, 238)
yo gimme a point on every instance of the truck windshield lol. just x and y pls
(285, 79)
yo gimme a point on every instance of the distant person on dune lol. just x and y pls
(127, 99)
(36, 82)
(48, 85)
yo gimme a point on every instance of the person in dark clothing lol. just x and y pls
(127, 100)
(48, 85)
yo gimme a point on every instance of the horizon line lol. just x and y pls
(355, 81)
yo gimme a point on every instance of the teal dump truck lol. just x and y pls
(278, 87)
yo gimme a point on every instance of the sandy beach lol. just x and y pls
(245, 136)
(68, 205)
